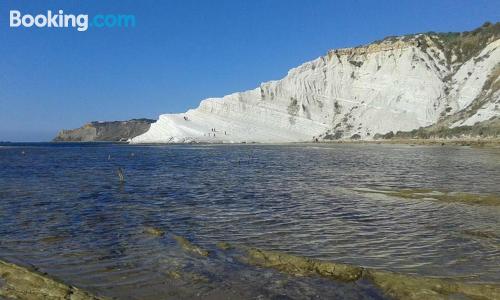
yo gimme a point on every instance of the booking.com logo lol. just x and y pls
(61, 20)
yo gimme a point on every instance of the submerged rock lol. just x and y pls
(53, 239)
(174, 274)
(457, 197)
(480, 233)
(412, 287)
(395, 285)
(224, 246)
(196, 277)
(20, 283)
(154, 231)
(302, 266)
(191, 277)
(189, 247)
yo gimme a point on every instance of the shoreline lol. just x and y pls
(430, 142)
(19, 282)
(492, 142)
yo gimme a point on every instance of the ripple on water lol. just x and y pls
(63, 209)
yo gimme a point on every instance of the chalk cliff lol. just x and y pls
(445, 80)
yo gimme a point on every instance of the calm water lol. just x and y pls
(63, 210)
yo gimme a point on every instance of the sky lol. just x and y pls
(181, 52)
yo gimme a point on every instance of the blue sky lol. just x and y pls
(183, 51)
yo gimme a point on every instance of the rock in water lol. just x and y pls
(302, 266)
(20, 283)
(189, 247)
(154, 231)
(397, 286)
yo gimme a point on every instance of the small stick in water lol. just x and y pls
(120, 174)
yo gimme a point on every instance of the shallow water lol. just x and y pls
(63, 210)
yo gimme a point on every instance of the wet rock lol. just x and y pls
(52, 239)
(457, 197)
(174, 274)
(188, 247)
(197, 278)
(480, 233)
(467, 198)
(302, 266)
(154, 231)
(412, 287)
(224, 246)
(192, 277)
(20, 283)
(397, 286)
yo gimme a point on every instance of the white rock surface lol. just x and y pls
(390, 86)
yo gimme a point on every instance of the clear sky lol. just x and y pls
(183, 51)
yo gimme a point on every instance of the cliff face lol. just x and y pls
(105, 131)
(398, 84)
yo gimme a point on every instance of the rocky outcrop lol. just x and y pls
(189, 247)
(443, 196)
(105, 131)
(302, 266)
(17, 282)
(397, 286)
(397, 84)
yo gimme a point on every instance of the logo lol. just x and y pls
(81, 22)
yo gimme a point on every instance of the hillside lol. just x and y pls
(431, 80)
(105, 131)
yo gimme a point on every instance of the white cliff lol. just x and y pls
(398, 84)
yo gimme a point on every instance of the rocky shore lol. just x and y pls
(493, 142)
(17, 282)
(20, 283)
